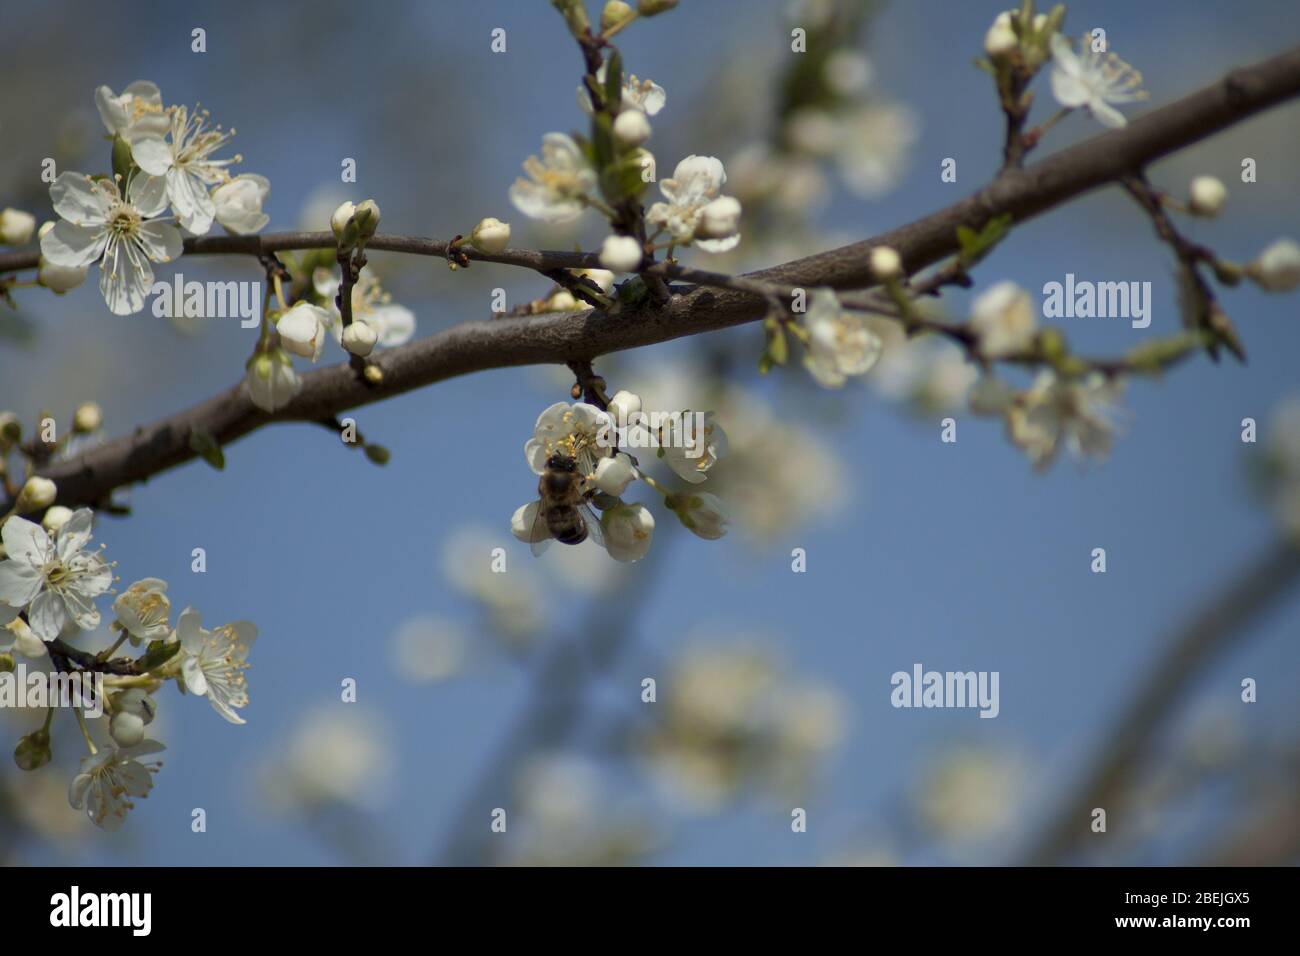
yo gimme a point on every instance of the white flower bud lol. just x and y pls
(345, 230)
(702, 513)
(16, 227)
(720, 219)
(563, 301)
(623, 406)
(87, 418)
(1001, 40)
(1207, 196)
(490, 236)
(37, 493)
(367, 218)
(613, 475)
(138, 702)
(302, 330)
(126, 729)
(1004, 318)
(55, 518)
(360, 337)
(631, 127)
(620, 253)
(885, 263)
(629, 529)
(1278, 267)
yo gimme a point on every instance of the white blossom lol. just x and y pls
(108, 778)
(302, 329)
(1207, 196)
(840, 343)
(238, 203)
(137, 111)
(213, 662)
(271, 381)
(693, 453)
(1079, 414)
(643, 95)
(1003, 317)
(1093, 81)
(702, 513)
(874, 146)
(695, 183)
(186, 165)
(579, 431)
(886, 263)
(56, 580)
(628, 530)
(98, 225)
(143, 610)
(558, 184)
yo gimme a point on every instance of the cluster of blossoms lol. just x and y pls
(50, 581)
(591, 438)
(162, 157)
(612, 168)
(302, 328)
(734, 718)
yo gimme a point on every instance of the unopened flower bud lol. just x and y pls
(620, 253)
(628, 529)
(885, 263)
(1001, 41)
(615, 14)
(138, 702)
(16, 227)
(87, 418)
(613, 475)
(631, 127)
(623, 406)
(360, 337)
(126, 729)
(375, 376)
(344, 225)
(650, 8)
(490, 236)
(302, 329)
(55, 518)
(37, 493)
(33, 751)
(367, 218)
(1278, 267)
(1207, 196)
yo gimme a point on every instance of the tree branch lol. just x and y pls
(561, 338)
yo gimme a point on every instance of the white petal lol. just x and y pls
(125, 277)
(152, 155)
(72, 246)
(148, 194)
(26, 541)
(47, 616)
(19, 582)
(79, 199)
(160, 241)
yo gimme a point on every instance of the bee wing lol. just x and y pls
(539, 535)
(592, 517)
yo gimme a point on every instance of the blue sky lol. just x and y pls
(957, 556)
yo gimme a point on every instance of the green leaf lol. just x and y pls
(976, 245)
(203, 444)
(378, 454)
(614, 82)
(123, 162)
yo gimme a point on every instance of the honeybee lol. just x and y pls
(564, 508)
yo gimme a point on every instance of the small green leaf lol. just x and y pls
(203, 444)
(614, 81)
(123, 162)
(158, 654)
(378, 454)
